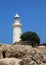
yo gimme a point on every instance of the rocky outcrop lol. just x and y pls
(22, 55)
(19, 51)
(43, 50)
(22, 43)
(10, 61)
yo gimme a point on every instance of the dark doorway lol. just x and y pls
(3, 53)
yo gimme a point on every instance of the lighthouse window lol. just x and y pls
(17, 18)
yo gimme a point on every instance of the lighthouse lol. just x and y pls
(17, 29)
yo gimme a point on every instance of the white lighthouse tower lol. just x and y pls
(17, 29)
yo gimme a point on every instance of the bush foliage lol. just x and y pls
(31, 37)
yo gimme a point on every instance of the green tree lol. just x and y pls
(31, 37)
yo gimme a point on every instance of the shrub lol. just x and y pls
(31, 37)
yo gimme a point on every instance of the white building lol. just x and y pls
(17, 29)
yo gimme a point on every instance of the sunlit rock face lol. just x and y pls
(22, 55)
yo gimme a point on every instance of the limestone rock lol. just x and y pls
(10, 61)
(43, 50)
(22, 55)
(14, 50)
(34, 58)
(22, 43)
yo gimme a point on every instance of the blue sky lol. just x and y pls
(32, 14)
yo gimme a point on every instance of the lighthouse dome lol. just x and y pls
(17, 15)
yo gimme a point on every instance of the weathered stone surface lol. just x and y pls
(43, 50)
(14, 50)
(22, 43)
(14, 61)
(22, 55)
(35, 57)
(10, 61)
